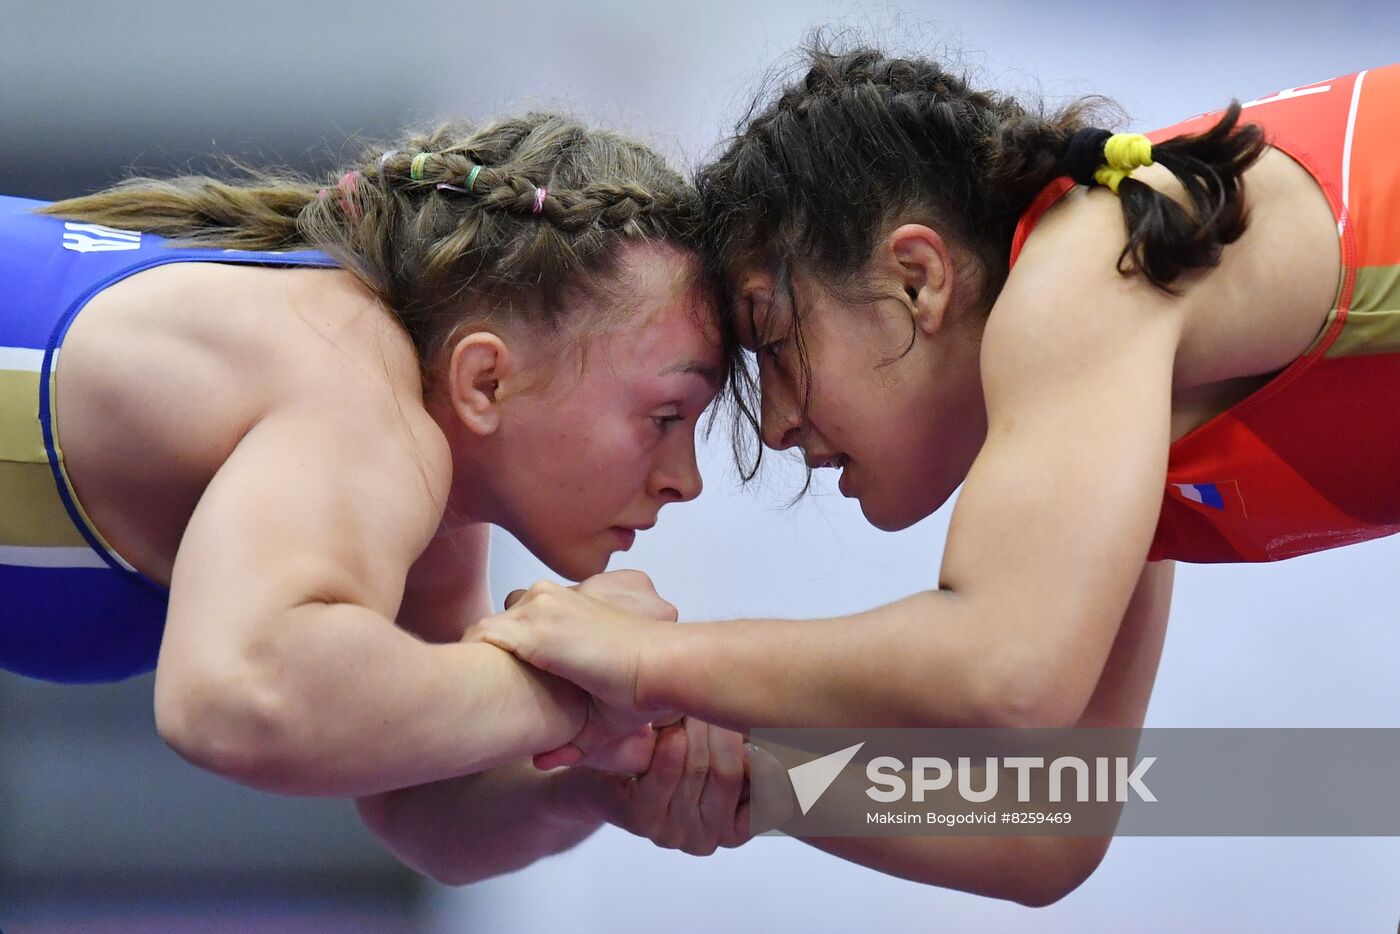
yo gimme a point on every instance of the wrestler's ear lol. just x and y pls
(480, 364)
(922, 265)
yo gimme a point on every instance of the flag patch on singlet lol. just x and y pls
(1207, 494)
(1222, 496)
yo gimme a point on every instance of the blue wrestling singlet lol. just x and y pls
(71, 609)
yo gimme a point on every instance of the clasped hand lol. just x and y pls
(595, 635)
(678, 781)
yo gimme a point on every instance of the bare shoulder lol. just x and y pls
(1254, 313)
(164, 373)
(1065, 304)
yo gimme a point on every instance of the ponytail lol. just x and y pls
(1165, 239)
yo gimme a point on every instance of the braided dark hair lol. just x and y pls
(421, 247)
(862, 142)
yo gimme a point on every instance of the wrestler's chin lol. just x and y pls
(580, 562)
(887, 518)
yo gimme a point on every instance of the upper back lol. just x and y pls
(192, 356)
(163, 362)
(1278, 342)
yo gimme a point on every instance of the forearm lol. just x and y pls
(463, 830)
(336, 700)
(917, 662)
(1033, 871)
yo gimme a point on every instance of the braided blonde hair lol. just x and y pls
(423, 247)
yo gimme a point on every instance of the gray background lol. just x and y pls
(98, 820)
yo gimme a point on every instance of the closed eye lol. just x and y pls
(667, 417)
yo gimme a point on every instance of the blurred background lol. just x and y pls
(102, 828)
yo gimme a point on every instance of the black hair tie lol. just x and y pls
(1084, 155)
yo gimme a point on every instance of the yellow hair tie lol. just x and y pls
(415, 168)
(1123, 152)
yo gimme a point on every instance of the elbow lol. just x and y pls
(453, 877)
(1032, 871)
(383, 815)
(1024, 706)
(1021, 691)
(1055, 867)
(235, 723)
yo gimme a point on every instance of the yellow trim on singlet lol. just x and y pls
(31, 512)
(1373, 323)
(63, 472)
(33, 515)
(21, 440)
(34, 522)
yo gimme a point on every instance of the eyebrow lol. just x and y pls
(712, 374)
(784, 277)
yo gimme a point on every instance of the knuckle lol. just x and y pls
(668, 769)
(727, 773)
(648, 815)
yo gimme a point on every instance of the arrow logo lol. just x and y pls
(810, 780)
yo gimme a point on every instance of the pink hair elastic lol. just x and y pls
(349, 186)
(539, 201)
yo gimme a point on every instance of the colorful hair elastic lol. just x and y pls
(384, 159)
(349, 186)
(1122, 153)
(539, 201)
(471, 182)
(415, 168)
(1098, 157)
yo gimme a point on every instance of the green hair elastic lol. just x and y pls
(471, 180)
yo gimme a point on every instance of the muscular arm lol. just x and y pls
(282, 666)
(1037, 870)
(682, 789)
(483, 825)
(466, 829)
(1045, 544)
(1049, 535)
(470, 828)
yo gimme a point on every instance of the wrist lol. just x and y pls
(570, 704)
(661, 666)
